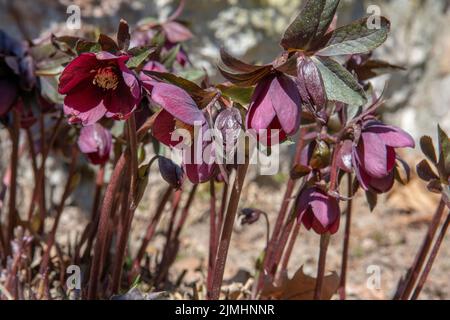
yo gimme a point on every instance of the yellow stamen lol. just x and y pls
(106, 78)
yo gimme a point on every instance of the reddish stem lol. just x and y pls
(128, 206)
(212, 235)
(67, 191)
(433, 255)
(346, 243)
(324, 241)
(423, 252)
(152, 227)
(12, 218)
(290, 247)
(225, 238)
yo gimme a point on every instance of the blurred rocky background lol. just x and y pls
(420, 41)
(417, 99)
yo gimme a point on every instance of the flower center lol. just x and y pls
(106, 78)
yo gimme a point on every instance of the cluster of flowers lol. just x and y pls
(103, 83)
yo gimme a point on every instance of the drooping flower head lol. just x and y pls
(275, 105)
(95, 141)
(97, 85)
(373, 156)
(179, 111)
(318, 210)
(276, 101)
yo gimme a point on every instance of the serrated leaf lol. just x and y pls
(139, 58)
(355, 38)
(241, 95)
(340, 85)
(426, 145)
(425, 172)
(444, 154)
(123, 35)
(313, 21)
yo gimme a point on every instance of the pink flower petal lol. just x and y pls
(286, 102)
(382, 185)
(261, 112)
(392, 136)
(373, 154)
(177, 102)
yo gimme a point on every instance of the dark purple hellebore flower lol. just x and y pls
(275, 105)
(16, 71)
(95, 141)
(179, 111)
(373, 156)
(318, 210)
(99, 84)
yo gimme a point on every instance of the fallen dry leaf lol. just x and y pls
(300, 287)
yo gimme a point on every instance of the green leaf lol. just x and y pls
(303, 29)
(426, 145)
(241, 95)
(444, 154)
(355, 38)
(88, 46)
(312, 22)
(171, 56)
(326, 18)
(192, 74)
(139, 57)
(340, 85)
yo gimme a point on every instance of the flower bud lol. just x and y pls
(171, 172)
(249, 215)
(95, 141)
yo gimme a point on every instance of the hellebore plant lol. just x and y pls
(315, 92)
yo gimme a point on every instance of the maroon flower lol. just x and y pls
(95, 141)
(179, 111)
(318, 210)
(99, 84)
(373, 155)
(275, 105)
